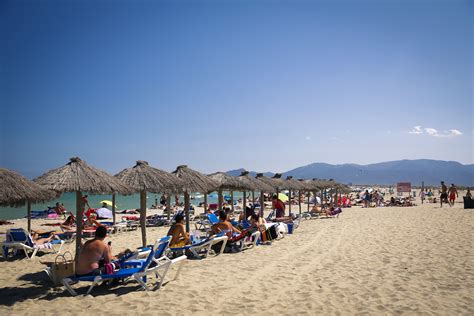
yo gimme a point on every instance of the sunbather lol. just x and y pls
(256, 221)
(177, 231)
(39, 240)
(92, 252)
(224, 225)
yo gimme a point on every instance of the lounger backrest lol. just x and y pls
(212, 218)
(162, 246)
(20, 235)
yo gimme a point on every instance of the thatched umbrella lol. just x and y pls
(77, 176)
(253, 184)
(275, 183)
(143, 178)
(195, 182)
(16, 190)
(226, 182)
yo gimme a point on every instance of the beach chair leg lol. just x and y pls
(96, 281)
(180, 261)
(224, 243)
(140, 278)
(67, 284)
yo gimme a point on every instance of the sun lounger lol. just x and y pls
(19, 239)
(156, 263)
(202, 249)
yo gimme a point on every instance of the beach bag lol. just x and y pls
(272, 232)
(62, 267)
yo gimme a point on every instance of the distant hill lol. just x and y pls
(391, 172)
(387, 173)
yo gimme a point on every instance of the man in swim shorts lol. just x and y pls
(444, 194)
(453, 193)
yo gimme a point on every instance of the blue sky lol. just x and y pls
(264, 85)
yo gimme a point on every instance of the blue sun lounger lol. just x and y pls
(156, 263)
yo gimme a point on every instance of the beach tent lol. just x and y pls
(144, 178)
(104, 212)
(194, 182)
(16, 190)
(77, 176)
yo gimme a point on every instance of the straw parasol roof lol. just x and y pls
(293, 184)
(254, 184)
(77, 175)
(275, 183)
(227, 182)
(143, 177)
(195, 181)
(16, 190)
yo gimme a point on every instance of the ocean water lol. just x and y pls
(122, 203)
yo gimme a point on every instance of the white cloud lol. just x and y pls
(308, 138)
(430, 131)
(455, 132)
(416, 130)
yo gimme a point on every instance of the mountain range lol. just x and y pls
(385, 173)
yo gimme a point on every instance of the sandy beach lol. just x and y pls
(378, 261)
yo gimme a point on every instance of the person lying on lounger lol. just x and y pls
(92, 252)
(179, 236)
(224, 225)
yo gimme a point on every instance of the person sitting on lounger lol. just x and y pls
(91, 221)
(39, 239)
(179, 236)
(92, 252)
(256, 221)
(224, 225)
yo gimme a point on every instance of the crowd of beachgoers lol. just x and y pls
(214, 233)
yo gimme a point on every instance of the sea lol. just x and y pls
(121, 202)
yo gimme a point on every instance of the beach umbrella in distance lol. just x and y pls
(144, 178)
(292, 184)
(195, 182)
(16, 190)
(228, 183)
(253, 184)
(77, 176)
(274, 183)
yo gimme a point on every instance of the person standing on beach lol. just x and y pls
(453, 193)
(444, 194)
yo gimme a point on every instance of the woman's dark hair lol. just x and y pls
(179, 218)
(101, 232)
(222, 215)
(274, 196)
(255, 217)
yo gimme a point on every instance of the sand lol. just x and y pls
(416, 260)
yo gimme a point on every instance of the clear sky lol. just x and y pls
(218, 85)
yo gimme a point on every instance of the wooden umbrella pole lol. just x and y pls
(219, 199)
(143, 216)
(79, 215)
(28, 214)
(262, 203)
(168, 206)
(309, 194)
(253, 197)
(186, 209)
(205, 202)
(232, 200)
(113, 209)
(244, 202)
(299, 201)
